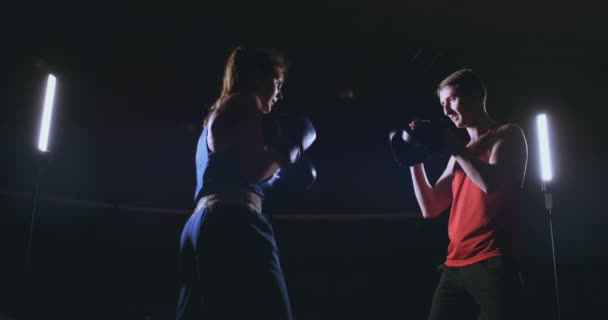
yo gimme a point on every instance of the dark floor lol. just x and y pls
(111, 264)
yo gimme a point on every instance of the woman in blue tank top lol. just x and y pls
(229, 264)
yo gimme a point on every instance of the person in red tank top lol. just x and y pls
(482, 186)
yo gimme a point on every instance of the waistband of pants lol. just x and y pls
(235, 197)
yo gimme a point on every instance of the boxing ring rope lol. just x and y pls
(275, 216)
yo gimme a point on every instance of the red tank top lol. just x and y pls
(481, 225)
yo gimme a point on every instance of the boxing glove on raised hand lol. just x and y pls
(288, 134)
(405, 151)
(293, 177)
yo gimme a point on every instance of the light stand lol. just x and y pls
(546, 177)
(41, 159)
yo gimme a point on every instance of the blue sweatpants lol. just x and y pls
(229, 267)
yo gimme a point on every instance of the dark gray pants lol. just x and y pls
(490, 289)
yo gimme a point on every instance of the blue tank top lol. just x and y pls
(216, 171)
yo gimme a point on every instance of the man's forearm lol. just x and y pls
(423, 190)
(483, 174)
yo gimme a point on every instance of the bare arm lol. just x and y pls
(433, 200)
(507, 163)
(244, 118)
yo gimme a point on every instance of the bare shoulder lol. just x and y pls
(238, 109)
(235, 117)
(242, 103)
(512, 140)
(511, 132)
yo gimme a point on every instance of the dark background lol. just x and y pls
(133, 84)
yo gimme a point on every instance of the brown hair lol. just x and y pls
(244, 66)
(466, 82)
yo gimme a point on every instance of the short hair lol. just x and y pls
(465, 81)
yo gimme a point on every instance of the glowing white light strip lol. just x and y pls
(543, 141)
(47, 112)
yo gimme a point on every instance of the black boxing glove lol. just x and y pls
(288, 134)
(429, 134)
(411, 146)
(293, 177)
(405, 152)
